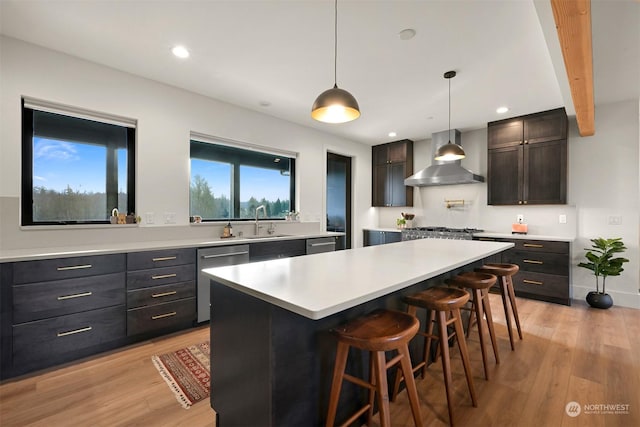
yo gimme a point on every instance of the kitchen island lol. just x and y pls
(271, 347)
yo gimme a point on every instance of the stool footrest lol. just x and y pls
(356, 416)
(359, 381)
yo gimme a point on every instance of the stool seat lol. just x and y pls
(380, 330)
(479, 284)
(504, 273)
(473, 280)
(444, 309)
(499, 269)
(376, 333)
(438, 298)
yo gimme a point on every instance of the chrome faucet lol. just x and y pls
(264, 212)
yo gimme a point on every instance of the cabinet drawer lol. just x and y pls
(46, 339)
(161, 316)
(541, 246)
(67, 268)
(541, 284)
(538, 262)
(160, 294)
(162, 258)
(160, 276)
(34, 301)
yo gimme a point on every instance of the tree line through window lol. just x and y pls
(231, 182)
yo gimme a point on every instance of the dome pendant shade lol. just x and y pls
(335, 105)
(450, 151)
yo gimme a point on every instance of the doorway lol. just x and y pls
(339, 198)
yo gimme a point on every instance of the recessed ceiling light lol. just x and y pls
(392, 134)
(502, 110)
(407, 34)
(180, 52)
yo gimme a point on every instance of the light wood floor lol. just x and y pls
(568, 354)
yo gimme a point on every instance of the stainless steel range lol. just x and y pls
(438, 233)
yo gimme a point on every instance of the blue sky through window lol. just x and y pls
(58, 164)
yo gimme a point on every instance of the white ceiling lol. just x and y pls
(280, 52)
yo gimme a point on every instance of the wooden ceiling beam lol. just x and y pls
(573, 23)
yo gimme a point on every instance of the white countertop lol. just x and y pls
(316, 286)
(66, 252)
(524, 236)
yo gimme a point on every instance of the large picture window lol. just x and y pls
(75, 169)
(229, 182)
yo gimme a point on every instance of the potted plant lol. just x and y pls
(601, 261)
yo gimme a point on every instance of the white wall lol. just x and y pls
(166, 115)
(600, 185)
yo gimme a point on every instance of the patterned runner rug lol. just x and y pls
(187, 372)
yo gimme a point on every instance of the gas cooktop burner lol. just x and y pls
(433, 232)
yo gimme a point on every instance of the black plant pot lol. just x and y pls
(599, 300)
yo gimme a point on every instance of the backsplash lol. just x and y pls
(430, 208)
(16, 237)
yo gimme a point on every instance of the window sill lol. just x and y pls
(74, 226)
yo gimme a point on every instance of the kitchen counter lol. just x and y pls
(324, 284)
(67, 252)
(490, 234)
(272, 351)
(388, 230)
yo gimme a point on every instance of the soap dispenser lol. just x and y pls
(228, 230)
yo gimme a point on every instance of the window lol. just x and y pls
(230, 182)
(75, 167)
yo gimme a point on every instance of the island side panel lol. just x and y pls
(272, 367)
(240, 358)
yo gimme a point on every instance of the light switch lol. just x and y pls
(149, 217)
(562, 219)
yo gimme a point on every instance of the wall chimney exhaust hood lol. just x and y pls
(443, 172)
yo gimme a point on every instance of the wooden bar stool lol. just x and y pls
(505, 273)
(479, 284)
(377, 332)
(444, 305)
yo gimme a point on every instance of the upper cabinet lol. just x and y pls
(527, 159)
(391, 164)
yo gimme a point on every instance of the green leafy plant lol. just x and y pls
(601, 259)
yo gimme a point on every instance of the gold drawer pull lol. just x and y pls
(164, 294)
(486, 239)
(532, 282)
(162, 316)
(532, 245)
(83, 294)
(74, 267)
(531, 261)
(164, 258)
(76, 331)
(164, 276)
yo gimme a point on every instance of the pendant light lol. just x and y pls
(335, 105)
(449, 151)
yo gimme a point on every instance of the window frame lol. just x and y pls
(236, 176)
(26, 202)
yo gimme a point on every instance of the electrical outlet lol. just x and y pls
(169, 217)
(615, 220)
(520, 219)
(149, 217)
(562, 219)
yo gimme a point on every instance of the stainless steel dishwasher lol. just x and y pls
(215, 257)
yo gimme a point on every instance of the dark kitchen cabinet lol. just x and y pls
(264, 251)
(57, 310)
(527, 159)
(379, 237)
(545, 268)
(161, 291)
(391, 164)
